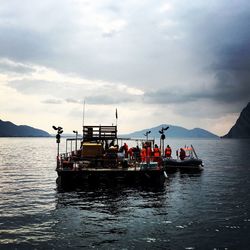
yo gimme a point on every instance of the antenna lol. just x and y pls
(83, 117)
(83, 112)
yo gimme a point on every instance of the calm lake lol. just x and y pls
(207, 210)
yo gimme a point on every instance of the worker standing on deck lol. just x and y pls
(137, 153)
(168, 151)
(148, 152)
(131, 153)
(125, 147)
(143, 154)
(157, 153)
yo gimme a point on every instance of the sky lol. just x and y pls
(178, 62)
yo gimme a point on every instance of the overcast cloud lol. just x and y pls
(149, 59)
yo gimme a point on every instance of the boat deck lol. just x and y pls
(136, 169)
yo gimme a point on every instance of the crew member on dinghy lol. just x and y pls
(182, 154)
(168, 151)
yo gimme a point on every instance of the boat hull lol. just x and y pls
(94, 176)
(186, 164)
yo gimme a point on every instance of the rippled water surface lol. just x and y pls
(208, 210)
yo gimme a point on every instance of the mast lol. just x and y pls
(83, 117)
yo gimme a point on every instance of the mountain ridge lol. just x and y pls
(241, 128)
(173, 132)
(9, 129)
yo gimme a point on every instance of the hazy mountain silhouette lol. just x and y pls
(241, 128)
(173, 132)
(9, 129)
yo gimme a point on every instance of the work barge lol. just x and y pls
(102, 156)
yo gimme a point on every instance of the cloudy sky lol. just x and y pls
(178, 62)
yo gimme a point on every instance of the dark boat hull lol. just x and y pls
(78, 178)
(187, 164)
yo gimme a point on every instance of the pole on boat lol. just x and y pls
(83, 117)
(146, 134)
(58, 137)
(116, 116)
(76, 132)
(162, 138)
(116, 119)
(194, 151)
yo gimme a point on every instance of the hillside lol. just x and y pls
(241, 128)
(9, 129)
(174, 132)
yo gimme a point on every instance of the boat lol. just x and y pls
(190, 162)
(102, 157)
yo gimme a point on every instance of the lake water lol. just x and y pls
(209, 210)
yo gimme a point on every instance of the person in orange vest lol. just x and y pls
(157, 153)
(143, 154)
(131, 153)
(148, 152)
(168, 151)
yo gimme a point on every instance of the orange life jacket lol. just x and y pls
(168, 152)
(143, 154)
(157, 152)
(130, 151)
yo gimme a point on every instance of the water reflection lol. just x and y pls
(120, 213)
(106, 193)
(114, 196)
(110, 213)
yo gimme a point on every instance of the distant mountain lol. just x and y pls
(241, 128)
(9, 129)
(173, 132)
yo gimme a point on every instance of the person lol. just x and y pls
(182, 154)
(131, 153)
(168, 151)
(143, 154)
(125, 147)
(137, 153)
(148, 152)
(157, 153)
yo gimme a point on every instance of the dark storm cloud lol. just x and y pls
(218, 36)
(168, 96)
(232, 87)
(223, 37)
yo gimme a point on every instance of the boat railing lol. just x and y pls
(72, 143)
(99, 133)
(108, 160)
